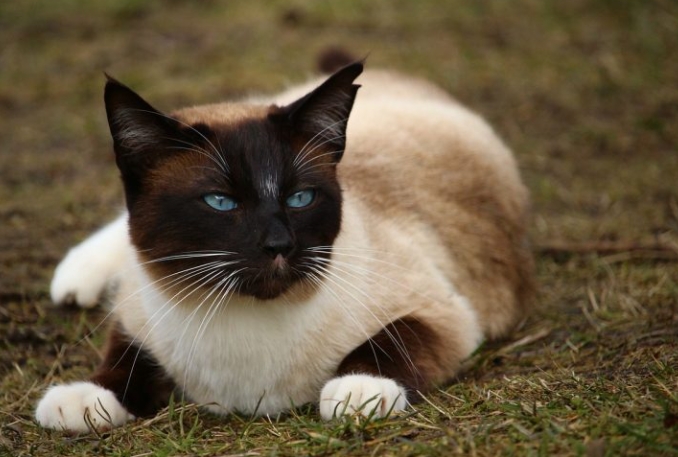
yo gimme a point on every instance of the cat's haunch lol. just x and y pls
(347, 242)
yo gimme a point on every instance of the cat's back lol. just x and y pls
(419, 159)
(412, 134)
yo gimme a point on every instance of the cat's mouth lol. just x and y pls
(280, 265)
(268, 288)
(271, 280)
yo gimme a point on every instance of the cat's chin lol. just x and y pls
(272, 287)
(273, 280)
(268, 289)
(269, 294)
(270, 283)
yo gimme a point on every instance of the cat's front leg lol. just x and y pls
(88, 268)
(128, 383)
(382, 375)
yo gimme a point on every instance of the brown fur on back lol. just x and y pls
(423, 159)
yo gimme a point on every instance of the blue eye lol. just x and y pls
(301, 199)
(220, 202)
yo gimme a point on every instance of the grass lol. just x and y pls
(583, 91)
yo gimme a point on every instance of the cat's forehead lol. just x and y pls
(223, 115)
(240, 133)
(242, 138)
(254, 150)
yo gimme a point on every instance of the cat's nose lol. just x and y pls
(277, 240)
(273, 247)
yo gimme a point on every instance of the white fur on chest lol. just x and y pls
(248, 354)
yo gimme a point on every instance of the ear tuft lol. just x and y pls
(135, 125)
(324, 112)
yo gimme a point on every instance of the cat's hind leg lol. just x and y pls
(88, 268)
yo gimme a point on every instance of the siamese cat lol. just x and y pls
(348, 242)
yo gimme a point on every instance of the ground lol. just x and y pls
(583, 91)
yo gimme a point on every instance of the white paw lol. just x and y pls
(366, 395)
(84, 274)
(79, 408)
(78, 279)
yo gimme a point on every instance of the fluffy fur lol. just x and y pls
(429, 258)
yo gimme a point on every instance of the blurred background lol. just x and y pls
(584, 91)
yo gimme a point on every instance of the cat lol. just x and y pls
(348, 242)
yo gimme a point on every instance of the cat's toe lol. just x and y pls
(369, 396)
(79, 408)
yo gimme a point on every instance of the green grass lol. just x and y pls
(585, 93)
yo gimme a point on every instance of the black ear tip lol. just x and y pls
(110, 79)
(114, 89)
(350, 71)
(357, 66)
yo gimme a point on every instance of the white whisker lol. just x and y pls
(177, 277)
(201, 282)
(224, 287)
(218, 156)
(317, 141)
(330, 275)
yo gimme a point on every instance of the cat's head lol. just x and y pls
(227, 198)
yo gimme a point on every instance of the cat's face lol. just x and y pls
(225, 199)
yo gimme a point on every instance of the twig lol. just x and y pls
(613, 250)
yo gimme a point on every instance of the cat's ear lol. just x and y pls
(323, 113)
(139, 131)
